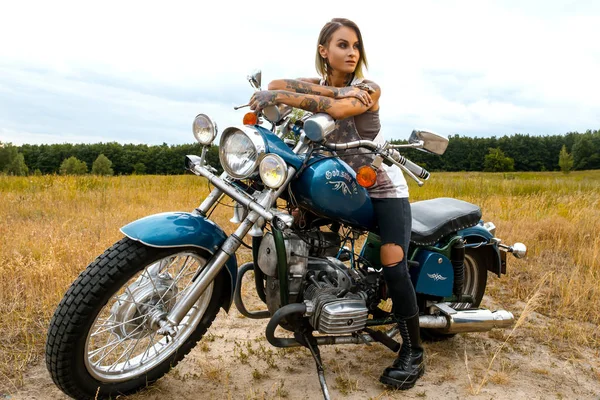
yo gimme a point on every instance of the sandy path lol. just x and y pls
(236, 362)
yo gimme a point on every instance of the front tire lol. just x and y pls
(102, 339)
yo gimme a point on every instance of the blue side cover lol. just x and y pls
(181, 229)
(434, 275)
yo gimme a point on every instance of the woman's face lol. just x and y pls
(343, 51)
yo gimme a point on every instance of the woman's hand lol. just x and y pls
(263, 99)
(356, 92)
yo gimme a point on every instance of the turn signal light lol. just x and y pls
(366, 176)
(250, 118)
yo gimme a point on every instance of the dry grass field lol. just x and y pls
(51, 227)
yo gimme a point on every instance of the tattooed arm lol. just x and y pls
(337, 108)
(311, 86)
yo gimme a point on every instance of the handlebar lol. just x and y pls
(413, 170)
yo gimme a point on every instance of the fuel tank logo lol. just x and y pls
(437, 277)
(347, 186)
(341, 186)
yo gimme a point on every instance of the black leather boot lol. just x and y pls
(408, 367)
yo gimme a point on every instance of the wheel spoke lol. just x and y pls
(110, 328)
(150, 344)
(124, 300)
(116, 342)
(130, 353)
(130, 344)
(176, 280)
(131, 347)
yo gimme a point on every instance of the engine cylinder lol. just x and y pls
(333, 314)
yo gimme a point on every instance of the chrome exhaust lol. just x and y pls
(479, 320)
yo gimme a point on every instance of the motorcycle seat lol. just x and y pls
(433, 219)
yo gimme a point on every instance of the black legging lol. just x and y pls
(394, 222)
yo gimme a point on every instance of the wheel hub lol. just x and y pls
(137, 312)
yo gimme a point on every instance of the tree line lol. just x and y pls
(579, 151)
(124, 159)
(515, 153)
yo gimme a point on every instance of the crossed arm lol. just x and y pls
(340, 103)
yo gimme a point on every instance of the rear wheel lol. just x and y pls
(474, 286)
(102, 339)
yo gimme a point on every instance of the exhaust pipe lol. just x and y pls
(468, 320)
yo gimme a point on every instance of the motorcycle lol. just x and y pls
(143, 304)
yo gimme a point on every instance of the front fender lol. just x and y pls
(478, 234)
(182, 229)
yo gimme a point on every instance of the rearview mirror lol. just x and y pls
(255, 79)
(432, 142)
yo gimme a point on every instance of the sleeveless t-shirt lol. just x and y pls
(366, 126)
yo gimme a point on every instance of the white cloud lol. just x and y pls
(140, 71)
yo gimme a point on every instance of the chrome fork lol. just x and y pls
(258, 209)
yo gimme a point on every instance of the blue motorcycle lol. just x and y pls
(142, 305)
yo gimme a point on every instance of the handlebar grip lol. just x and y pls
(411, 166)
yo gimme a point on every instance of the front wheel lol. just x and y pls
(102, 339)
(474, 286)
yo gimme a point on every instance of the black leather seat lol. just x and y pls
(433, 219)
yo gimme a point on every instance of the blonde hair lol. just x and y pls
(324, 39)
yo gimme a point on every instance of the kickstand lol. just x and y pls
(314, 350)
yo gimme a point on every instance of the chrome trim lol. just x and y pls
(410, 168)
(256, 139)
(318, 126)
(210, 272)
(458, 321)
(519, 250)
(231, 244)
(431, 142)
(417, 145)
(229, 190)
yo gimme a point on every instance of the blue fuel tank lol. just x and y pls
(328, 187)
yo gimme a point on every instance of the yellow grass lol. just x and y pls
(51, 227)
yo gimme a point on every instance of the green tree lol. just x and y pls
(12, 162)
(139, 169)
(586, 150)
(7, 153)
(565, 160)
(496, 161)
(102, 166)
(73, 166)
(17, 166)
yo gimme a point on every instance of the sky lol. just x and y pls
(140, 71)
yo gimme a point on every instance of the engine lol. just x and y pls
(335, 295)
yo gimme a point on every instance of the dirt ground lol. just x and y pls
(234, 361)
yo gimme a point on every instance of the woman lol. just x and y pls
(343, 93)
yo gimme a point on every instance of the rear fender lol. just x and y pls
(495, 261)
(182, 229)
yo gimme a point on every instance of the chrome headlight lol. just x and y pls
(205, 130)
(240, 150)
(273, 171)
